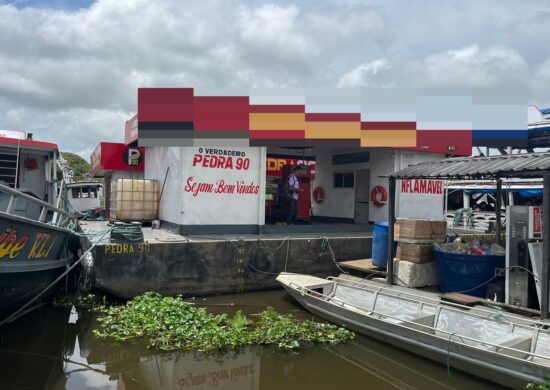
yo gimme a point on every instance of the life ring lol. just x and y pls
(318, 195)
(381, 200)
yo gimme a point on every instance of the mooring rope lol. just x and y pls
(326, 243)
(127, 232)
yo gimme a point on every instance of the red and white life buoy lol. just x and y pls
(318, 195)
(379, 196)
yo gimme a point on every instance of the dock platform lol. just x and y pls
(364, 266)
(196, 265)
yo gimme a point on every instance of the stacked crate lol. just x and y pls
(414, 264)
(415, 238)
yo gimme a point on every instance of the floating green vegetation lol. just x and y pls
(169, 323)
(89, 302)
(538, 386)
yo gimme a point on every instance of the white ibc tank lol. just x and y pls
(134, 199)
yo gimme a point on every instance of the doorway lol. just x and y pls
(362, 196)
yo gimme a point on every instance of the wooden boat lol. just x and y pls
(33, 232)
(504, 348)
(86, 196)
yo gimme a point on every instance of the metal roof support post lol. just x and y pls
(498, 211)
(544, 288)
(391, 224)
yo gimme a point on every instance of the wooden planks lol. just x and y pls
(363, 265)
(462, 299)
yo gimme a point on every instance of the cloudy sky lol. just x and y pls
(70, 69)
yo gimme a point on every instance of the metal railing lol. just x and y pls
(525, 323)
(61, 218)
(410, 324)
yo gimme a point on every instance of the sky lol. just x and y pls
(70, 69)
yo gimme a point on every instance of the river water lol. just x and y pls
(51, 348)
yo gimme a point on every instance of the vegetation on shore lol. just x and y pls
(169, 323)
(80, 167)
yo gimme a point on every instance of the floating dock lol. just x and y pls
(172, 264)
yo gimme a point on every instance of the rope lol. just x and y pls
(449, 354)
(496, 276)
(127, 232)
(13, 315)
(326, 243)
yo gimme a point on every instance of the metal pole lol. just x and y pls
(498, 205)
(17, 164)
(391, 224)
(445, 201)
(544, 288)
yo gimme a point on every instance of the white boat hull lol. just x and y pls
(510, 371)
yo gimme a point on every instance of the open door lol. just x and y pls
(362, 196)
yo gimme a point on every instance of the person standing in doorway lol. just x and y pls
(294, 189)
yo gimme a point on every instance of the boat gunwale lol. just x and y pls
(34, 222)
(29, 265)
(529, 359)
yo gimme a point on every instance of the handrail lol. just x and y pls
(317, 295)
(58, 221)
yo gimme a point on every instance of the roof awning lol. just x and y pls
(527, 165)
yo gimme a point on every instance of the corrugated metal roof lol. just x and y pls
(513, 165)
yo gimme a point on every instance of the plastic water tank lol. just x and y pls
(458, 272)
(380, 245)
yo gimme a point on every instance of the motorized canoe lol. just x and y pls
(504, 348)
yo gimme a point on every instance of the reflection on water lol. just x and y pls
(48, 349)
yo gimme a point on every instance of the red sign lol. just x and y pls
(221, 158)
(109, 156)
(422, 186)
(275, 164)
(537, 229)
(131, 130)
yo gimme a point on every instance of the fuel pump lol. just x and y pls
(523, 228)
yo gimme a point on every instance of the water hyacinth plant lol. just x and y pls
(169, 323)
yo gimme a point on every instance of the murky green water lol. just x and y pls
(52, 349)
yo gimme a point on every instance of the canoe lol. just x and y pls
(504, 348)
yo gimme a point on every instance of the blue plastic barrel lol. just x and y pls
(380, 245)
(458, 272)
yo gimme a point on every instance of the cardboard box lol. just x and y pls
(419, 229)
(415, 253)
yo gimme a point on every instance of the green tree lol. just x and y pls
(80, 167)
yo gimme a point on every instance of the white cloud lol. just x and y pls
(365, 75)
(72, 76)
(473, 66)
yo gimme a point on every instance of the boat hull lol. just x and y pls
(32, 256)
(506, 371)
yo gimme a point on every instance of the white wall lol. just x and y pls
(340, 202)
(212, 207)
(156, 164)
(418, 205)
(191, 195)
(33, 180)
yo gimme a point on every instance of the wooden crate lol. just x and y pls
(415, 253)
(419, 229)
